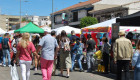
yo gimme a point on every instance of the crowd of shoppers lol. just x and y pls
(51, 51)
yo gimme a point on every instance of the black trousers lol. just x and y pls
(123, 64)
(106, 61)
(1, 56)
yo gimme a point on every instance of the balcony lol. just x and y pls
(13, 20)
(72, 20)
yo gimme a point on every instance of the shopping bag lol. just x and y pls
(14, 73)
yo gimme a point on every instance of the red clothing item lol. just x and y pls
(10, 43)
(25, 53)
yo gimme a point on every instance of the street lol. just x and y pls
(76, 75)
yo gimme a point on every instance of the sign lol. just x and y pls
(63, 16)
(115, 31)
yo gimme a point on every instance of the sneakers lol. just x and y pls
(81, 70)
(9, 65)
(67, 76)
(35, 69)
(4, 65)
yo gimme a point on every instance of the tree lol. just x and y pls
(24, 19)
(87, 21)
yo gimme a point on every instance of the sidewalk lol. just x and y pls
(37, 75)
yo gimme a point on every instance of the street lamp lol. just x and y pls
(20, 12)
(52, 16)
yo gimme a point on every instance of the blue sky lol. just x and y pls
(34, 7)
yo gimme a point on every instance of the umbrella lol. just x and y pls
(30, 28)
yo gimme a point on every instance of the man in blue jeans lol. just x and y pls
(6, 50)
(78, 51)
(91, 46)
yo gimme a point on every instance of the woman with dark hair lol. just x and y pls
(136, 62)
(36, 42)
(105, 51)
(65, 57)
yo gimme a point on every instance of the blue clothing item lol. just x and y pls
(78, 48)
(6, 52)
(137, 73)
(78, 58)
(72, 37)
(1, 39)
(136, 59)
(48, 44)
(5, 42)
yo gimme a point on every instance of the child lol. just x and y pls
(14, 50)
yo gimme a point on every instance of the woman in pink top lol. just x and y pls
(24, 50)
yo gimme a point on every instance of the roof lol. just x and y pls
(78, 5)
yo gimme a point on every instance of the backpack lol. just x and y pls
(4, 45)
(66, 46)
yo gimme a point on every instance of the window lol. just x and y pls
(89, 14)
(75, 16)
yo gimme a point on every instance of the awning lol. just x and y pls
(130, 20)
(108, 10)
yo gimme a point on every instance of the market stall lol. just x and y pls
(68, 30)
(30, 28)
(131, 25)
(2, 31)
(46, 28)
(98, 30)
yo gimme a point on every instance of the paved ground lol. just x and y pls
(36, 75)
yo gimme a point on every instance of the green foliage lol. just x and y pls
(87, 21)
(24, 19)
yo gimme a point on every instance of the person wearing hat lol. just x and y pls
(123, 52)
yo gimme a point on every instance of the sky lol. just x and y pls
(34, 7)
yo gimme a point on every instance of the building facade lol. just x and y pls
(39, 20)
(118, 8)
(101, 9)
(8, 22)
(73, 14)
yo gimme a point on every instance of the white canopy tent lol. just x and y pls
(11, 32)
(130, 28)
(68, 30)
(107, 23)
(46, 28)
(2, 31)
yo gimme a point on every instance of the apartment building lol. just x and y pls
(39, 20)
(8, 22)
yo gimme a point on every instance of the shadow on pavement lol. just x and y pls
(111, 76)
(37, 74)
